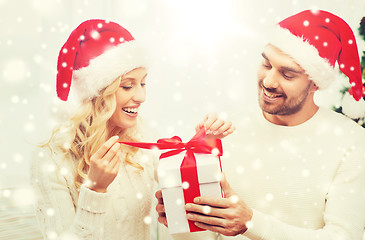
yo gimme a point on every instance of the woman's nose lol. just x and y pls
(140, 95)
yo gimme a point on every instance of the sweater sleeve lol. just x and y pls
(344, 215)
(56, 212)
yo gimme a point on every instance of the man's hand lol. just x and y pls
(228, 215)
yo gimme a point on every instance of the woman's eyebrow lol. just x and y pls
(127, 80)
(132, 78)
(264, 56)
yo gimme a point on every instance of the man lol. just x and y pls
(297, 170)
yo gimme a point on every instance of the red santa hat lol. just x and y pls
(95, 54)
(316, 40)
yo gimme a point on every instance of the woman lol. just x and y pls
(90, 186)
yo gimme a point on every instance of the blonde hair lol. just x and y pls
(86, 132)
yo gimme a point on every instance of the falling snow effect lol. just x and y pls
(34, 71)
(15, 70)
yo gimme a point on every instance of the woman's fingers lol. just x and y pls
(117, 164)
(160, 208)
(215, 127)
(114, 163)
(225, 129)
(104, 165)
(105, 148)
(112, 152)
(210, 118)
(158, 196)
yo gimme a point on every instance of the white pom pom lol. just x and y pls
(352, 108)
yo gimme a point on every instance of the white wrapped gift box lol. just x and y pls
(208, 170)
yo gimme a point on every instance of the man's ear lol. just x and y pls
(314, 87)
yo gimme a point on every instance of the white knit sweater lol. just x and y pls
(124, 212)
(304, 182)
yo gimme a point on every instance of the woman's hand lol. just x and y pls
(215, 127)
(160, 208)
(104, 165)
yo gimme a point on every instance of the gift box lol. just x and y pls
(186, 171)
(173, 185)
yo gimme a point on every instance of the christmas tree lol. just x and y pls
(357, 113)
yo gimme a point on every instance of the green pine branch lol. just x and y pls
(362, 28)
(343, 91)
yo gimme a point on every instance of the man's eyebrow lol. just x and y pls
(289, 69)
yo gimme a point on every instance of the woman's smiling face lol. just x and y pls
(130, 95)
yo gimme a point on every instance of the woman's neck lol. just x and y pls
(116, 132)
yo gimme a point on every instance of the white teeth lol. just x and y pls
(131, 110)
(270, 95)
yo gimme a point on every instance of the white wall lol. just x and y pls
(204, 52)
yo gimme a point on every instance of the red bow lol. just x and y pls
(197, 144)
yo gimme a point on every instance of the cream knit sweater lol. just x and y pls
(124, 212)
(303, 183)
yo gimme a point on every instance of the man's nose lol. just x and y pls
(271, 79)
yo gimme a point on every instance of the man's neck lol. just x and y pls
(306, 113)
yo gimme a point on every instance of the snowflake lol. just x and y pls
(29, 127)
(179, 201)
(177, 96)
(3, 165)
(305, 172)
(18, 157)
(269, 197)
(215, 151)
(95, 35)
(234, 199)
(139, 195)
(207, 209)
(257, 164)
(50, 212)
(64, 171)
(185, 185)
(147, 220)
(52, 235)
(144, 158)
(240, 170)
(38, 59)
(6, 193)
(15, 99)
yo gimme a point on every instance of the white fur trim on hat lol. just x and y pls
(352, 108)
(87, 82)
(318, 69)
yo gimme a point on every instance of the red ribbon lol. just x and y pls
(188, 169)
